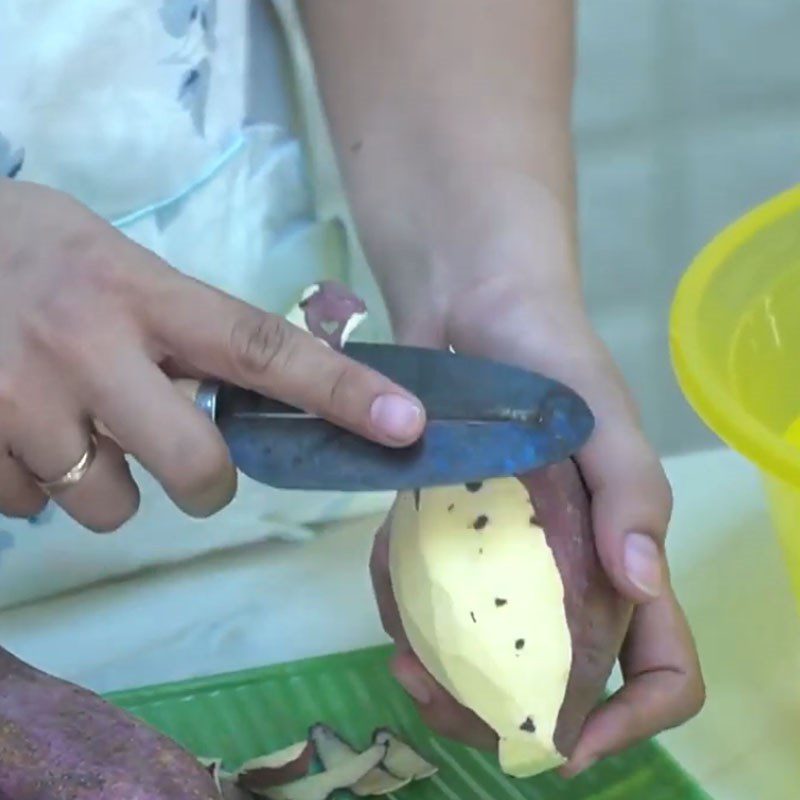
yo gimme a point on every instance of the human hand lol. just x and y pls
(631, 506)
(92, 327)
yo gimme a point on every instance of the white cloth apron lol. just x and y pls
(194, 127)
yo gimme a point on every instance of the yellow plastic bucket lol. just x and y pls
(735, 343)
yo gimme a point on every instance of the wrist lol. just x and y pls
(507, 249)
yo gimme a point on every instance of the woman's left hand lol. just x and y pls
(631, 507)
(460, 176)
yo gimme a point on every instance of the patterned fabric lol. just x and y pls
(145, 110)
(11, 159)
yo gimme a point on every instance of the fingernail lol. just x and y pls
(415, 686)
(643, 563)
(396, 416)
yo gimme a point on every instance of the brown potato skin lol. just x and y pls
(597, 615)
(328, 310)
(61, 742)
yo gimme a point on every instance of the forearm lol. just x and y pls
(451, 119)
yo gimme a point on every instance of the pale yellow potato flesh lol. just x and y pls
(482, 603)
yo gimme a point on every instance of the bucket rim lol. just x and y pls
(710, 398)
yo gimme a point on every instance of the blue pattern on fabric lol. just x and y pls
(193, 93)
(179, 17)
(11, 158)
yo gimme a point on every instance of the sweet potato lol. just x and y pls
(504, 601)
(61, 742)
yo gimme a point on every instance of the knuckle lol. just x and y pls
(649, 485)
(93, 264)
(663, 502)
(342, 380)
(83, 247)
(260, 344)
(83, 256)
(70, 305)
(57, 324)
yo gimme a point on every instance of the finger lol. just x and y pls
(162, 429)
(631, 506)
(663, 685)
(438, 709)
(263, 352)
(105, 497)
(20, 495)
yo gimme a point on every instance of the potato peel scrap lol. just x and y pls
(225, 781)
(333, 751)
(388, 765)
(214, 767)
(402, 760)
(278, 768)
(230, 790)
(330, 312)
(324, 784)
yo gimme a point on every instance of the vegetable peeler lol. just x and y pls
(485, 419)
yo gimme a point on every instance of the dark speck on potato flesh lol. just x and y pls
(451, 506)
(519, 644)
(472, 614)
(528, 726)
(474, 487)
(481, 522)
(500, 602)
(416, 499)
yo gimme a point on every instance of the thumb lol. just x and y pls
(631, 507)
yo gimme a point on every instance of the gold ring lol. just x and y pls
(75, 474)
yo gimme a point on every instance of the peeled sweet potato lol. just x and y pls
(504, 601)
(61, 742)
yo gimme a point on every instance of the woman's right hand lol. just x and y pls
(91, 328)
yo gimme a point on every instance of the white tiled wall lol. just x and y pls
(687, 114)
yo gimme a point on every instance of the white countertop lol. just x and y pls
(276, 602)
